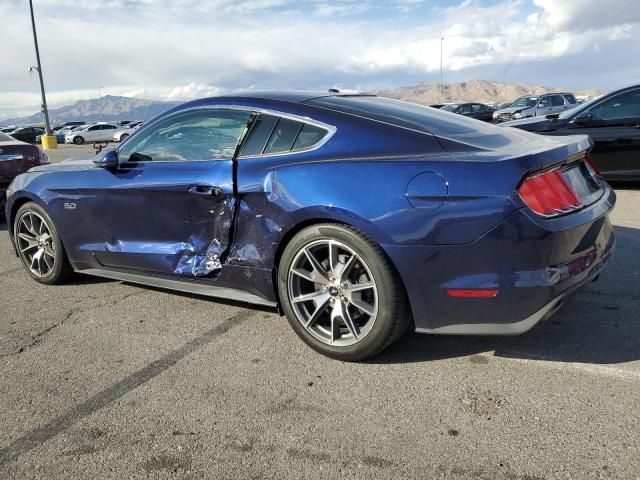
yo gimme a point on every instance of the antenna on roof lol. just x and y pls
(334, 90)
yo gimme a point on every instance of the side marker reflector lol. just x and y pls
(475, 293)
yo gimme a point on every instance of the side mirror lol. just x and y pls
(583, 119)
(107, 159)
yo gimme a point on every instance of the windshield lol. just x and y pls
(449, 108)
(580, 108)
(525, 102)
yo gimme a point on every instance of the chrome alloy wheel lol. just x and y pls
(35, 244)
(333, 293)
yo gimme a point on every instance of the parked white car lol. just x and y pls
(123, 133)
(99, 132)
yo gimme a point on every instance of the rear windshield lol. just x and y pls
(418, 117)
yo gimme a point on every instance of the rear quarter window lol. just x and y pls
(272, 135)
(419, 118)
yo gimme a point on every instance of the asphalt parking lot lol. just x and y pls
(102, 379)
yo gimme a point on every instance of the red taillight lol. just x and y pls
(471, 293)
(548, 193)
(593, 166)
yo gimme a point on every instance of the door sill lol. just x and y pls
(182, 286)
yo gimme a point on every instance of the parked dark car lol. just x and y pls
(478, 111)
(27, 134)
(613, 123)
(16, 157)
(359, 216)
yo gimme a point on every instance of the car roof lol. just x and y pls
(293, 96)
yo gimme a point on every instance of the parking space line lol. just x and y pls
(45, 432)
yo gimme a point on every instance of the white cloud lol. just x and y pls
(577, 15)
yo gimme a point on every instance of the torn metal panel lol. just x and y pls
(197, 265)
(209, 245)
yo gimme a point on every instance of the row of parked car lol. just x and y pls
(76, 132)
(523, 107)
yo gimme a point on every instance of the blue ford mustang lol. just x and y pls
(358, 216)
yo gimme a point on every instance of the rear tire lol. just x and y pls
(340, 293)
(78, 140)
(39, 245)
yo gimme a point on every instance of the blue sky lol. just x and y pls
(182, 49)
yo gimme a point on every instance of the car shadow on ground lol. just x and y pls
(599, 325)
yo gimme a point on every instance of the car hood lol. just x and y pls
(82, 162)
(535, 124)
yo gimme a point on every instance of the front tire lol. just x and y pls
(340, 293)
(39, 246)
(123, 137)
(78, 140)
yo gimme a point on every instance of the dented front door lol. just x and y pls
(168, 208)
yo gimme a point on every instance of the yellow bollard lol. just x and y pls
(49, 142)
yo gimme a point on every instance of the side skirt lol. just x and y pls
(188, 287)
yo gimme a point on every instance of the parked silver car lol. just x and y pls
(536, 106)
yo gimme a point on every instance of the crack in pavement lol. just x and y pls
(100, 400)
(37, 338)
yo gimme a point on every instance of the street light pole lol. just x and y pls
(441, 42)
(47, 125)
(100, 100)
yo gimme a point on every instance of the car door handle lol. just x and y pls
(205, 191)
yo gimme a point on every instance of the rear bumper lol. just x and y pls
(534, 263)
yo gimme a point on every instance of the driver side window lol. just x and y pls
(204, 134)
(626, 105)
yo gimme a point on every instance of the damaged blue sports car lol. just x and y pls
(357, 216)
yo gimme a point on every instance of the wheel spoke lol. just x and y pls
(336, 316)
(31, 241)
(348, 321)
(362, 306)
(334, 260)
(29, 226)
(358, 287)
(313, 296)
(35, 261)
(49, 263)
(344, 269)
(320, 275)
(320, 308)
(304, 274)
(48, 250)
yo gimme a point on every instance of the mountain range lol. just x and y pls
(481, 91)
(110, 107)
(107, 108)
